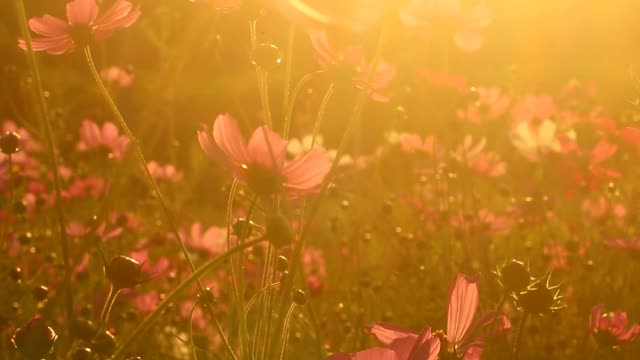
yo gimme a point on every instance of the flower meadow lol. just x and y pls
(339, 180)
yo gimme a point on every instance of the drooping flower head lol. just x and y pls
(82, 27)
(261, 163)
(610, 329)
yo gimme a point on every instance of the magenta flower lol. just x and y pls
(83, 26)
(610, 329)
(260, 164)
(93, 137)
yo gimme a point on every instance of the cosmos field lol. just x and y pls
(319, 179)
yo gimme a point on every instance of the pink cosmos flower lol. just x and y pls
(260, 164)
(349, 62)
(93, 137)
(414, 143)
(402, 344)
(449, 16)
(212, 240)
(91, 186)
(463, 339)
(490, 105)
(166, 172)
(610, 329)
(83, 25)
(533, 107)
(117, 76)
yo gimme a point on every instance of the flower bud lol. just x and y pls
(124, 272)
(82, 354)
(299, 297)
(514, 276)
(35, 340)
(279, 231)
(282, 264)
(104, 344)
(40, 293)
(83, 329)
(10, 143)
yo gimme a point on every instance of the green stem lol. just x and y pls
(289, 111)
(193, 347)
(45, 122)
(165, 209)
(139, 155)
(108, 304)
(355, 118)
(151, 318)
(244, 334)
(285, 333)
(262, 75)
(288, 70)
(519, 331)
(321, 111)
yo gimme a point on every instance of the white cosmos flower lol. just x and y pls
(533, 143)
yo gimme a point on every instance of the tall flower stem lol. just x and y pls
(263, 77)
(291, 104)
(288, 70)
(45, 122)
(183, 286)
(353, 120)
(321, 112)
(108, 304)
(519, 331)
(139, 155)
(165, 209)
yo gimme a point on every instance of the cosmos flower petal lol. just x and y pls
(426, 346)
(49, 26)
(308, 171)
(463, 302)
(376, 353)
(53, 45)
(82, 12)
(229, 139)
(267, 148)
(386, 333)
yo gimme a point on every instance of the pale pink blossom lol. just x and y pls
(92, 137)
(83, 25)
(167, 172)
(350, 62)
(211, 241)
(261, 163)
(490, 105)
(450, 17)
(533, 107)
(117, 76)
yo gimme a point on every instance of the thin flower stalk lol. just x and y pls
(45, 123)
